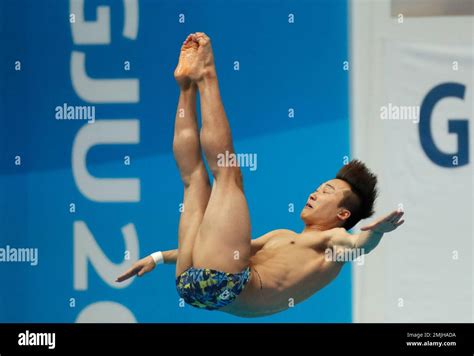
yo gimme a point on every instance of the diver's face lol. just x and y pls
(322, 206)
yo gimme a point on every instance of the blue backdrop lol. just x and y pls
(290, 58)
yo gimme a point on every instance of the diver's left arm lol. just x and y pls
(370, 235)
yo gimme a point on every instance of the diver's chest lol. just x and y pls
(287, 241)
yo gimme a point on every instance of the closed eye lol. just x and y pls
(328, 188)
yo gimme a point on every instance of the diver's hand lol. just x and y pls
(139, 268)
(386, 224)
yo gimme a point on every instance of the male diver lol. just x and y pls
(218, 265)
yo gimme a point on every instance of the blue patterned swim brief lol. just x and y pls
(210, 289)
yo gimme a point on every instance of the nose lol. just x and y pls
(312, 196)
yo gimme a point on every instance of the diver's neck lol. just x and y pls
(315, 228)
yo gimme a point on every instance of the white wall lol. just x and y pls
(414, 263)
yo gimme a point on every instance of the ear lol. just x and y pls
(343, 214)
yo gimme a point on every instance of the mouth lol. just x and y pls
(309, 206)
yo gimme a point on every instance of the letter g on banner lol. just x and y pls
(455, 126)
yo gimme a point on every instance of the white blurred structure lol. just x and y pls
(400, 51)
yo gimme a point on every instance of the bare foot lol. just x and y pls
(186, 62)
(205, 54)
(195, 60)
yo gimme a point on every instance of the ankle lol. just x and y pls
(209, 73)
(190, 87)
(209, 77)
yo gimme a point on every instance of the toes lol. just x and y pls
(202, 35)
(196, 39)
(203, 41)
(189, 38)
(202, 38)
(190, 42)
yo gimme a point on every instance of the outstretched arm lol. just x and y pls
(147, 264)
(170, 257)
(370, 235)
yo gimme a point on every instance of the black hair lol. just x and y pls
(360, 200)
